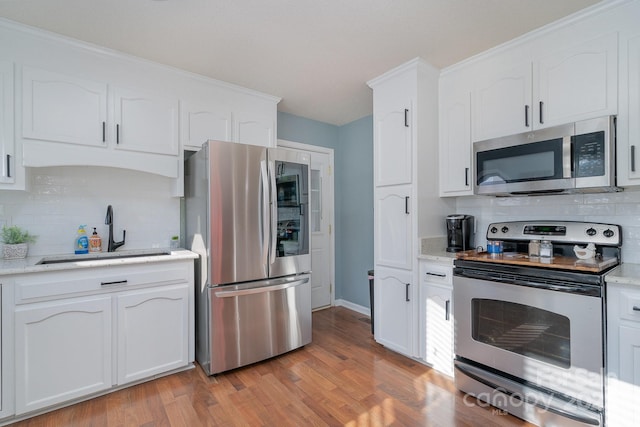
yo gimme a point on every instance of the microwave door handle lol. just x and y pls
(567, 160)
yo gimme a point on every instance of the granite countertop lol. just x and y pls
(434, 249)
(101, 259)
(625, 273)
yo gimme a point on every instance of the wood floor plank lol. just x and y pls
(343, 378)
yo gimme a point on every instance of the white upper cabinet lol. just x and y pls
(7, 144)
(456, 172)
(254, 128)
(502, 104)
(79, 105)
(63, 108)
(628, 128)
(393, 109)
(200, 122)
(573, 84)
(577, 84)
(146, 123)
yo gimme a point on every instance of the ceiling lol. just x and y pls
(315, 54)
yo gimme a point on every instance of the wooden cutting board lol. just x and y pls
(595, 265)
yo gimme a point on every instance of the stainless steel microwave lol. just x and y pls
(576, 157)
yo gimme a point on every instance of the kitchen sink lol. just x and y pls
(100, 256)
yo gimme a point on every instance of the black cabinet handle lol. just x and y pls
(466, 177)
(8, 165)
(633, 158)
(406, 296)
(541, 106)
(526, 116)
(118, 282)
(104, 131)
(436, 274)
(447, 310)
(406, 205)
(406, 118)
(117, 134)
(636, 308)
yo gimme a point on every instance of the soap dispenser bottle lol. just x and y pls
(95, 242)
(82, 241)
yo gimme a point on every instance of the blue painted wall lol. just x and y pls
(353, 156)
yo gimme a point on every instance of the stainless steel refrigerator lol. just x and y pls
(246, 214)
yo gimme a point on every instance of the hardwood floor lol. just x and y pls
(343, 378)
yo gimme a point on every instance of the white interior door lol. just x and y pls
(320, 231)
(322, 222)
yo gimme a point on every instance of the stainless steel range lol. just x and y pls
(529, 330)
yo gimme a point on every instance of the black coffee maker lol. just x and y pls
(459, 232)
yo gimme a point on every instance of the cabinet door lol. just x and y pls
(623, 392)
(145, 123)
(153, 332)
(393, 144)
(577, 84)
(392, 219)
(200, 122)
(63, 350)
(502, 105)
(7, 144)
(393, 300)
(628, 148)
(254, 128)
(439, 328)
(58, 107)
(456, 173)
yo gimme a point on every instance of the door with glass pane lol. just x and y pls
(320, 230)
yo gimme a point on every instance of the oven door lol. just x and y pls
(549, 338)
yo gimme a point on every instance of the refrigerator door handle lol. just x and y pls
(274, 212)
(259, 289)
(264, 212)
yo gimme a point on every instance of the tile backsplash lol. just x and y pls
(613, 208)
(62, 198)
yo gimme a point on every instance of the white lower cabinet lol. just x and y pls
(153, 332)
(394, 301)
(63, 351)
(436, 316)
(623, 355)
(83, 332)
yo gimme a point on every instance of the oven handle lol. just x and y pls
(575, 288)
(523, 398)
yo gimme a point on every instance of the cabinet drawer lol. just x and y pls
(437, 273)
(61, 284)
(630, 305)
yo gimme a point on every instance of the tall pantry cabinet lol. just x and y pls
(406, 202)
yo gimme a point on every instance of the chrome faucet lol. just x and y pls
(113, 245)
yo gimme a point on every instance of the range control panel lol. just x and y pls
(557, 231)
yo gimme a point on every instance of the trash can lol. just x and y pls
(370, 272)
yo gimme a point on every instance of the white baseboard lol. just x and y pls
(351, 306)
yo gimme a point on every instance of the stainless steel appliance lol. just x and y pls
(460, 230)
(253, 290)
(577, 157)
(529, 332)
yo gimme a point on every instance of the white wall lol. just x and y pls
(613, 208)
(62, 198)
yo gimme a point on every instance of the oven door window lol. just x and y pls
(522, 329)
(536, 161)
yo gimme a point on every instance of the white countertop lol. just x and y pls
(625, 273)
(140, 256)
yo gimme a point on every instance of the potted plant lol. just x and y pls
(16, 242)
